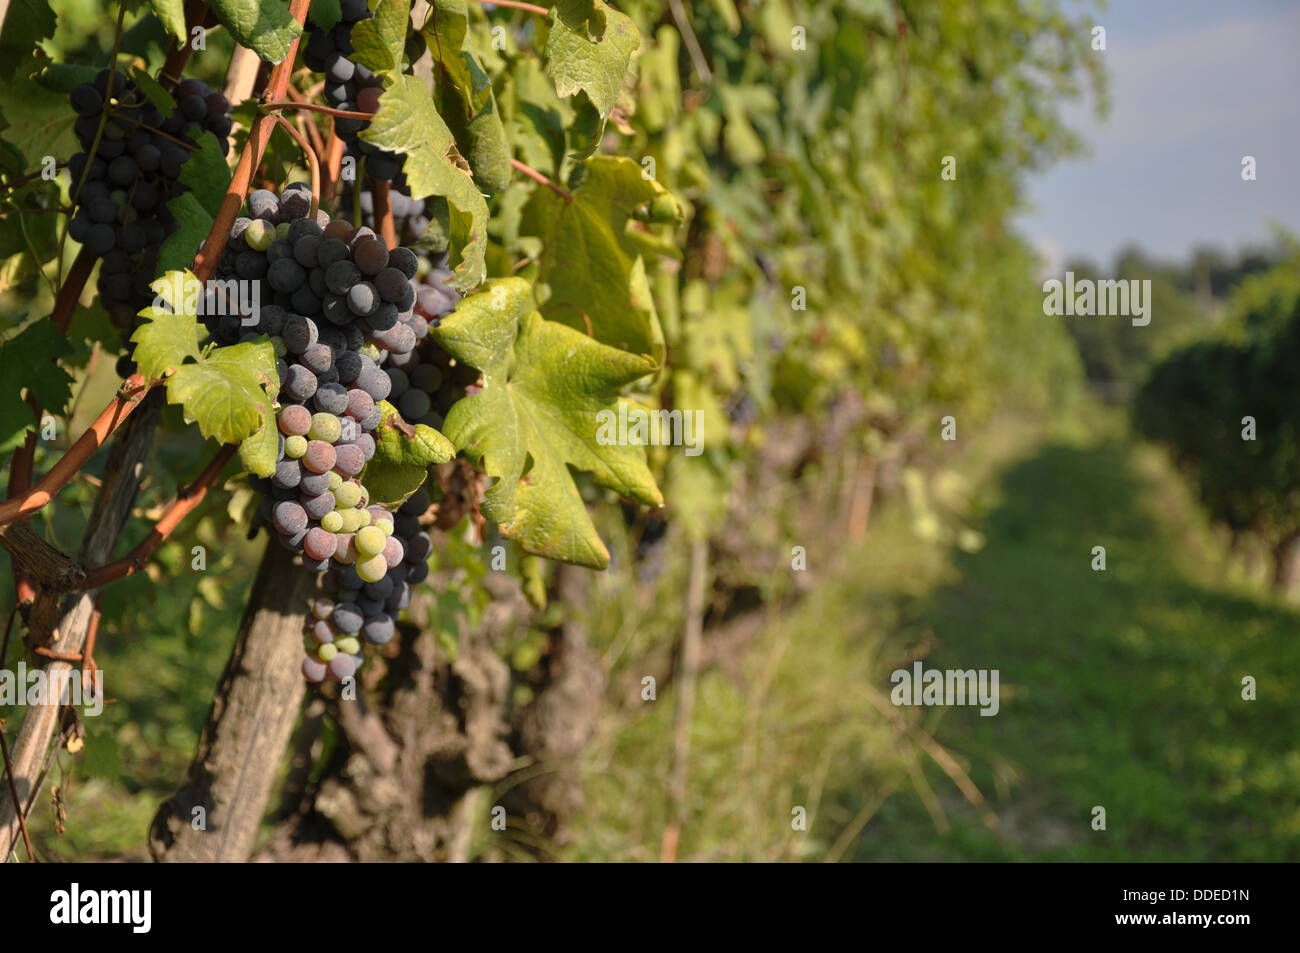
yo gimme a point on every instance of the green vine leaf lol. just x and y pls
(207, 175)
(30, 359)
(408, 122)
(36, 121)
(26, 23)
(228, 391)
(260, 452)
(264, 26)
(465, 99)
(536, 416)
(179, 248)
(163, 100)
(171, 14)
(325, 13)
(609, 294)
(403, 455)
(589, 51)
(378, 43)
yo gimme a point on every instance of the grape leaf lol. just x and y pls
(228, 393)
(609, 294)
(36, 231)
(260, 452)
(37, 121)
(163, 100)
(465, 99)
(64, 77)
(403, 455)
(536, 416)
(378, 43)
(26, 24)
(227, 390)
(171, 14)
(180, 247)
(408, 122)
(207, 175)
(325, 13)
(30, 359)
(169, 334)
(264, 26)
(589, 51)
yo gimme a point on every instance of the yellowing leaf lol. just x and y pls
(545, 386)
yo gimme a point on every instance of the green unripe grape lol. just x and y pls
(348, 646)
(325, 427)
(363, 517)
(277, 342)
(347, 495)
(351, 520)
(282, 230)
(259, 235)
(295, 447)
(372, 569)
(385, 524)
(370, 541)
(332, 522)
(327, 651)
(336, 480)
(371, 351)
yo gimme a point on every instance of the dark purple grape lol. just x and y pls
(289, 518)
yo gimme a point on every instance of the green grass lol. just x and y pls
(1120, 689)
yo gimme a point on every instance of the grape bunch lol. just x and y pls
(350, 86)
(122, 215)
(339, 303)
(356, 610)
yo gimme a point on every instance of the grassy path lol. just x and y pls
(1120, 688)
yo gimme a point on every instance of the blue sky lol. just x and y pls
(1195, 85)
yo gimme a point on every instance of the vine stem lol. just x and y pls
(33, 211)
(313, 107)
(383, 211)
(29, 177)
(308, 128)
(186, 500)
(258, 136)
(136, 122)
(333, 163)
(518, 5)
(313, 163)
(195, 12)
(112, 417)
(692, 41)
(538, 177)
(13, 790)
(65, 305)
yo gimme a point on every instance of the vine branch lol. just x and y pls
(313, 107)
(187, 498)
(383, 211)
(518, 5)
(312, 162)
(538, 177)
(109, 419)
(249, 160)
